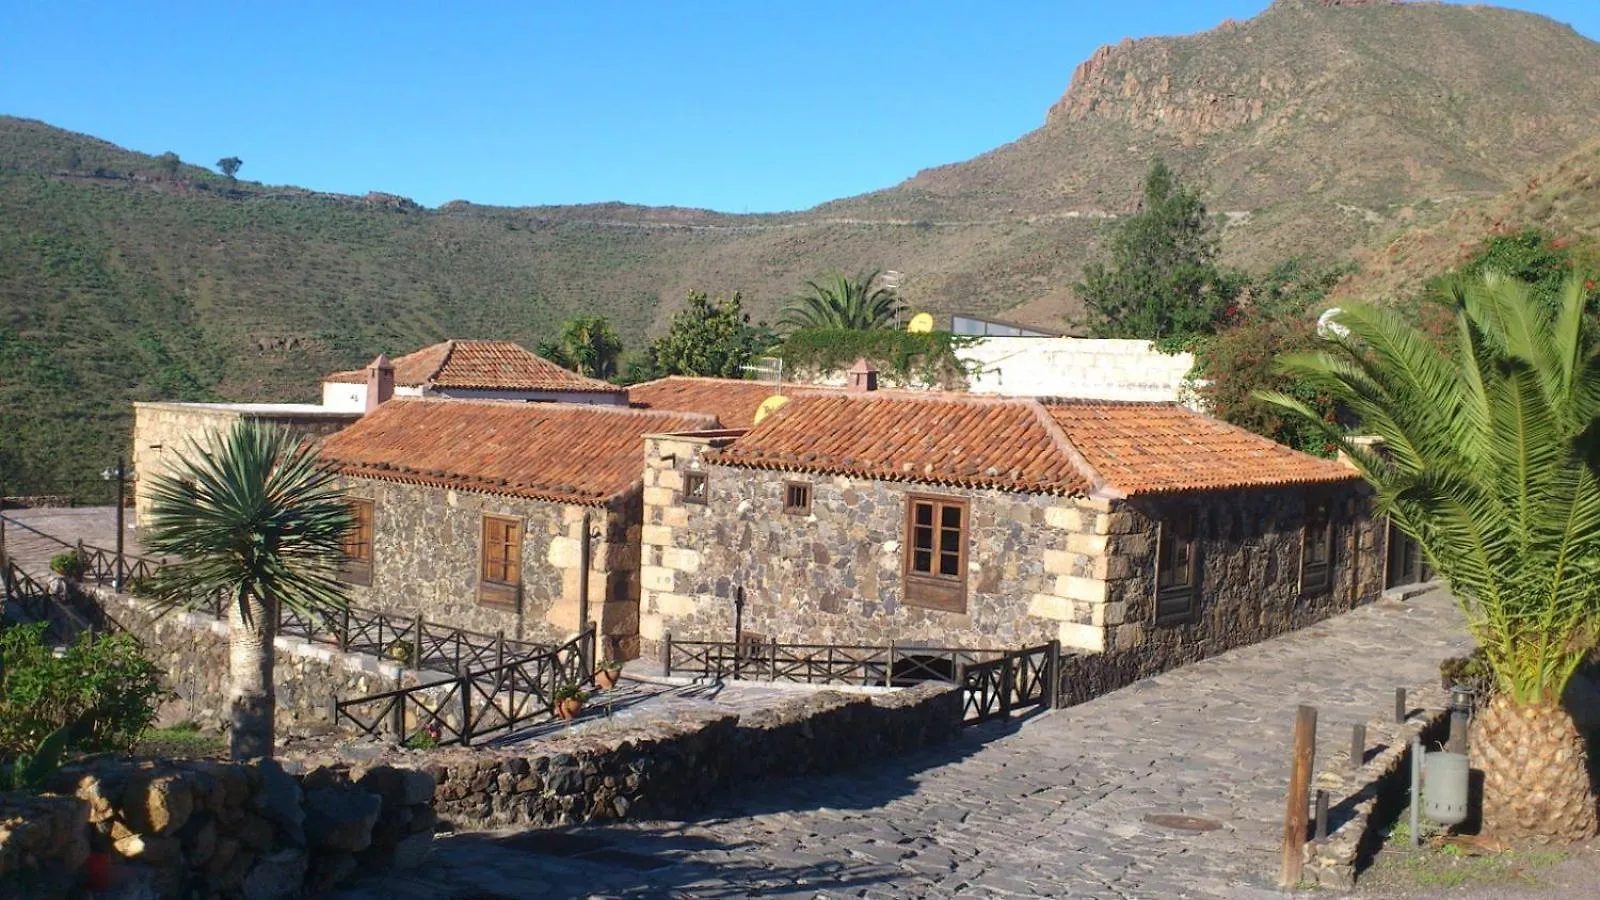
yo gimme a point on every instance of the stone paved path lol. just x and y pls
(1054, 807)
(94, 525)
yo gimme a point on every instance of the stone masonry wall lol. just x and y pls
(834, 576)
(162, 431)
(124, 827)
(426, 560)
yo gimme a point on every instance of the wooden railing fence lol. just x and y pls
(474, 703)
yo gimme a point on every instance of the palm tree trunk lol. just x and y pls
(1535, 772)
(252, 624)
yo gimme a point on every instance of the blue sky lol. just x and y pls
(757, 105)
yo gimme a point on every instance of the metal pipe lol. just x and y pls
(1416, 791)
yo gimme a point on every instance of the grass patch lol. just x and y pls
(183, 739)
(1444, 861)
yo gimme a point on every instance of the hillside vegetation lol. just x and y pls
(1311, 128)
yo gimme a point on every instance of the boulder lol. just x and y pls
(158, 805)
(278, 799)
(276, 875)
(340, 819)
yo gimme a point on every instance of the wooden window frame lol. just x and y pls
(356, 568)
(1317, 577)
(800, 509)
(497, 592)
(929, 590)
(1188, 592)
(690, 479)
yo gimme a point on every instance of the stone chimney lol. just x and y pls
(863, 377)
(380, 381)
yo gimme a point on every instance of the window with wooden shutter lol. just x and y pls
(502, 561)
(1177, 569)
(935, 553)
(1316, 548)
(357, 565)
(797, 497)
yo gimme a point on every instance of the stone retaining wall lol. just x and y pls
(674, 769)
(190, 828)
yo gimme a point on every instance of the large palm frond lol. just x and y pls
(839, 302)
(1488, 461)
(259, 516)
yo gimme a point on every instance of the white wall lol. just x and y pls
(1076, 367)
(353, 397)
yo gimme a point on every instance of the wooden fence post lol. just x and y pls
(397, 711)
(465, 686)
(416, 643)
(344, 631)
(1399, 706)
(772, 671)
(666, 654)
(1358, 746)
(1052, 687)
(500, 649)
(1297, 809)
(888, 668)
(1008, 682)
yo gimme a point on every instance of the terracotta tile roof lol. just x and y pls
(482, 365)
(933, 437)
(1147, 448)
(1020, 444)
(732, 401)
(565, 452)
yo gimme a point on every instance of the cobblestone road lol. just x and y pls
(1053, 808)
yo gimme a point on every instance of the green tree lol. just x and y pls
(229, 165)
(1488, 460)
(1163, 282)
(587, 345)
(169, 163)
(260, 521)
(707, 337)
(837, 301)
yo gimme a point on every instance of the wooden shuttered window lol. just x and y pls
(1316, 547)
(502, 562)
(357, 565)
(935, 553)
(1177, 568)
(797, 497)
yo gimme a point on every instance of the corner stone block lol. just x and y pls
(1129, 636)
(1082, 637)
(658, 496)
(564, 553)
(1087, 544)
(1058, 562)
(671, 606)
(683, 560)
(658, 535)
(658, 578)
(1089, 590)
(651, 626)
(1049, 606)
(671, 479)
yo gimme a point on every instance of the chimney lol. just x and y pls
(380, 382)
(863, 377)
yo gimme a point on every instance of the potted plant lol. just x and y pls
(68, 565)
(569, 701)
(605, 677)
(399, 651)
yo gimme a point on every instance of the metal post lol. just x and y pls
(1358, 746)
(1321, 832)
(1399, 706)
(888, 668)
(738, 630)
(583, 589)
(416, 644)
(500, 649)
(1416, 791)
(1053, 685)
(1295, 812)
(122, 474)
(466, 711)
(772, 672)
(666, 654)
(1008, 678)
(344, 631)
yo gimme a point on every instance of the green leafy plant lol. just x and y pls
(1488, 459)
(837, 301)
(399, 650)
(587, 345)
(29, 771)
(570, 691)
(103, 689)
(707, 337)
(68, 565)
(927, 358)
(614, 666)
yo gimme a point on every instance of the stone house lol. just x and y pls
(472, 513)
(482, 370)
(1138, 529)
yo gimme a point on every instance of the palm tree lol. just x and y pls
(587, 345)
(259, 520)
(840, 302)
(1488, 460)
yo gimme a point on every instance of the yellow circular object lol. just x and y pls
(921, 323)
(769, 406)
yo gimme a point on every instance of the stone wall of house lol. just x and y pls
(834, 576)
(426, 561)
(162, 431)
(189, 828)
(192, 649)
(1081, 570)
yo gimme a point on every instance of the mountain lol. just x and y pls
(1313, 128)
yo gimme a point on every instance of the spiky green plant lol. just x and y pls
(837, 301)
(260, 520)
(1487, 457)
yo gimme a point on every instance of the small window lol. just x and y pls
(357, 567)
(1316, 549)
(694, 487)
(936, 553)
(797, 497)
(1177, 569)
(502, 561)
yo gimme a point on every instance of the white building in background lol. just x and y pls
(1092, 368)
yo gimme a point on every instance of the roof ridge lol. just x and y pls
(449, 351)
(1058, 436)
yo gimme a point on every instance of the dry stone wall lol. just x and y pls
(192, 828)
